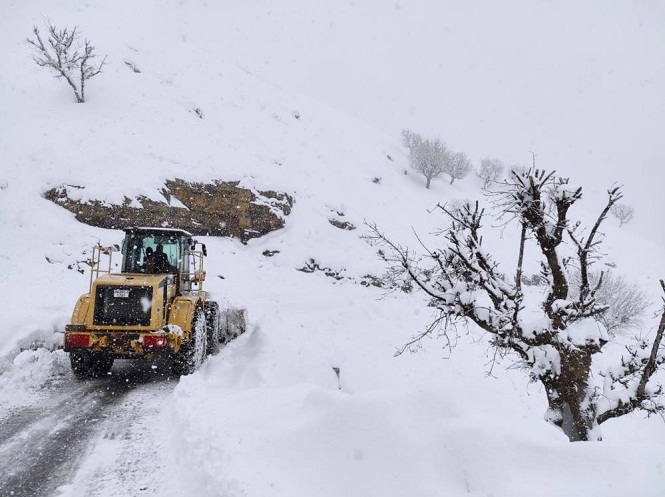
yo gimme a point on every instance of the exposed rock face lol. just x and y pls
(216, 209)
(343, 225)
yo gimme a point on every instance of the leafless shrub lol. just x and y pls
(534, 280)
(623, 213)
(428, 157)
(625, 302)
(68, 59)
(432, 158)
(457, 166)
(518, 169)
(490, 171)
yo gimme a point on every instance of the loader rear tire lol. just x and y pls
(90, 364)
(80, 363)
(193, 352)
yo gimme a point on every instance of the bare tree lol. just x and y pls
(428, 157)
(490, 171)
(68, 59)
(457, 166)
(519, 169)
(623, 213)
(624, 302)
(411, 139)
(555, 340)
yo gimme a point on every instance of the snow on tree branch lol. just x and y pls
(558, 339)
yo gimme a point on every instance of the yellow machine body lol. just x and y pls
(134, 315)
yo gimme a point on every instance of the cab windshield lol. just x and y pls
(152, 253)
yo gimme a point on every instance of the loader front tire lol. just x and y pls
(212, 326)
(193, 352)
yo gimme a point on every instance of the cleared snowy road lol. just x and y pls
(48, 445)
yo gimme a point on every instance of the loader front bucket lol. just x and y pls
(234, 322)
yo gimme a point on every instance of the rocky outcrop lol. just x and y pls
(216, 209)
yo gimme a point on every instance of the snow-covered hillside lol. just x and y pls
(268, 415)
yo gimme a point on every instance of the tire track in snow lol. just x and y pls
(43, 445)
(128, 457)
(17, 421)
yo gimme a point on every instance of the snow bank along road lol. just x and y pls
(83, 437)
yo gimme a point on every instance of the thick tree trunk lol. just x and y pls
(567, 397)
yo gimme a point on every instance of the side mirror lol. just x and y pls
(205, 251)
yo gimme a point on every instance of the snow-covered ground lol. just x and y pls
(269, 415)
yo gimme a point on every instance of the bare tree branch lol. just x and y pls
(463, 282)
(72, 64)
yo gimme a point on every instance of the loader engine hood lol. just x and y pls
(134, 300)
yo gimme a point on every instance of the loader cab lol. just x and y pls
(169, 245)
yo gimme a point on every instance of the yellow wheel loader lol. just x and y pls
(154, 308)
